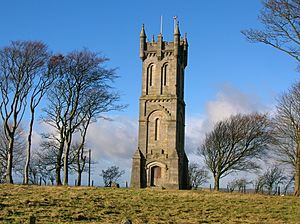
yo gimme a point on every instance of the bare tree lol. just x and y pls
(270, 180)
(273, 177)
(19, 150)
(50, 159)
(98, 102)
(197, 175)
(238, 184)
(281, 20)
(55, 141)
(111, 175)
(40, 171)
(259, 184)
(80, 160)
(234, 143)
(19, 62)
(42, 81)
(80, 95)
(286, 125)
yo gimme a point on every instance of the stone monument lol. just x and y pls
(160, 159)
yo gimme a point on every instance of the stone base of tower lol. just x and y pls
(138, 170)
(150, 172)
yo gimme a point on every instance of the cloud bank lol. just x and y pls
(229, 101)
(113, 141)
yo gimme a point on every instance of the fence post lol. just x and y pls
(210, 187)
(31, 220)
(89, 170)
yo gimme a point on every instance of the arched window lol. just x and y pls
(163, 77)
(149, 81)
(156, 129)
(165, 69)
(150, 74)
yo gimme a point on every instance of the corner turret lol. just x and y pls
(185, 49)
(176, 37)
(142, 43)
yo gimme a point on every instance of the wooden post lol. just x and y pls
(89, 175)
(92, 183)
(31, 220)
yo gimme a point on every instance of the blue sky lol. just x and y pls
(224, 70)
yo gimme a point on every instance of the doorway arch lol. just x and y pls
(155, 176)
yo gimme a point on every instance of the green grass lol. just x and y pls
(104, 205)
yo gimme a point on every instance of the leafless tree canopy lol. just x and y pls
(19, 151)
(270, 180)
(238, 184)
(41, 82)
(19, 63)
(197, 175)
(78, 88)
(273, 177)
(234, 143)
(286, 126)
(281, 19)
(78, 97)
(111, 175)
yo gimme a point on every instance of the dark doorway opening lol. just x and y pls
(155, 175)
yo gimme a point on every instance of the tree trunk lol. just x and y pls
(8, 175)
(58, 164)
(57, 173)
(66, 159)
(78, 167)
(79, 178)
(297, 171)
(28, 155)
(80, 153)
(66, 167)
(216, 183)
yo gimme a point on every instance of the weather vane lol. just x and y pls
(175, 21)
(161, 25)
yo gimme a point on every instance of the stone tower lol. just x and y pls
(160, 159)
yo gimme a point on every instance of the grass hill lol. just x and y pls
(107, 205)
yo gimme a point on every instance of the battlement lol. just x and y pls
(178, 47)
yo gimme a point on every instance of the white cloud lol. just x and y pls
(114, 142)
(229, 101)
(113, 139)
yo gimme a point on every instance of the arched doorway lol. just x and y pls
(155, 176)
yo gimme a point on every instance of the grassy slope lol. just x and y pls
(100, 205)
